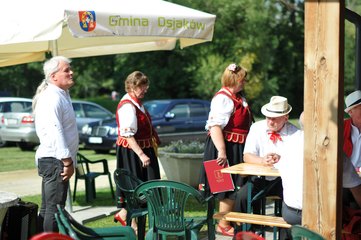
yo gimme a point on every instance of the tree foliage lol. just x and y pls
(264, 36)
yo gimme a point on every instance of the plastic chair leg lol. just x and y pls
(141, 227)
(111, 186)
(89, 190)
(75, 183)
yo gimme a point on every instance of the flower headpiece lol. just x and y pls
(232, 67)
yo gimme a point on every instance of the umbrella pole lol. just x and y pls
(69, 202)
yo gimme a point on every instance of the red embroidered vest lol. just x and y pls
(145, 132)
(240, 121)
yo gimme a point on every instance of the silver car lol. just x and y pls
(19, 126)
(12, 104)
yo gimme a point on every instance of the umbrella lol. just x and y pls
(83, 28)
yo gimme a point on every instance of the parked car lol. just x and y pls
(19, 126)
(173, 119)
(12, 104)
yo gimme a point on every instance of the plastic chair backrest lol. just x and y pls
(61, 227)
(166, 202)
(50, 236)
(79, 231)
(82, 166)
(66, 224)
(127, 182)
(298, 232)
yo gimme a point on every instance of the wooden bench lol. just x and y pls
(257, 219)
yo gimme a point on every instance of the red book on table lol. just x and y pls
(218, 181)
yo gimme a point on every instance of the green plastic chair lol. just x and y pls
(83, 172)
(80, 232)
(298, 232)
(127, 182)
(166, 204)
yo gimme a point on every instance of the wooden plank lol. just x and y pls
(323, 101)
(264, 220)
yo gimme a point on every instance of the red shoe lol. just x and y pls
(118, 218)
(225, 231)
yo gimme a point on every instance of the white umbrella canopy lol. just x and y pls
(84, 28)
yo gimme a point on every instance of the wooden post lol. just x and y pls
(324, 54)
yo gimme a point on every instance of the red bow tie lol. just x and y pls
(274, 137)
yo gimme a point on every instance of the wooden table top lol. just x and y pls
(252, 169)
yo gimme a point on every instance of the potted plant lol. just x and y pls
(181, 161)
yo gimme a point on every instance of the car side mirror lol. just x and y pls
(169, 115)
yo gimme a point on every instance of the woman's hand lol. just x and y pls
(222, 158)
(145, 159)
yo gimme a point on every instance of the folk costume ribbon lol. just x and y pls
(274, 137)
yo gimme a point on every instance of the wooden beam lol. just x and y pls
(323, 94)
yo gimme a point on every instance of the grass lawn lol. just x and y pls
(13, 159)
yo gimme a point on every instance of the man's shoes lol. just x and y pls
(225, 231)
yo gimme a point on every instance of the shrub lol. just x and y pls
(184, 147)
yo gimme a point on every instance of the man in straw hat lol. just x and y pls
(267, 142)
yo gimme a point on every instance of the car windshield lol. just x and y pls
(155, 108)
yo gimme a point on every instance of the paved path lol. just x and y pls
(27, 182)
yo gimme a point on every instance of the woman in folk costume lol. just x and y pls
(137, 139)
(228, 124)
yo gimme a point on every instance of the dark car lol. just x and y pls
(173, 119)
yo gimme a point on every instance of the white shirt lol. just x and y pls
(55, 125)
(128, 118)
(291, 170)
(350, 178)
(292, 173)
(356, 146)
(258, 141)
(221, 110)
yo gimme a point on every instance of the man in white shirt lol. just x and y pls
(56, 128)
(352, 136)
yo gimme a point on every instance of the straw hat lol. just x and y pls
(277, 107)
(353, 100)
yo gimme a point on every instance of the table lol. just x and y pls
(247, 169)
(251, 169)
(7, 199)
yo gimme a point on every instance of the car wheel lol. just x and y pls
(26, 146)
(102, 151)
(2, 143)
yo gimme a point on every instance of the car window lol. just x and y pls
(197, 110)
(180, 111)
(14, 106)
(79, 113)
(94, 111)
(155, 109)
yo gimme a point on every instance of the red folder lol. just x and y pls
(218, 181)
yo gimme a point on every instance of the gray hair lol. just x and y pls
(50, 67)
